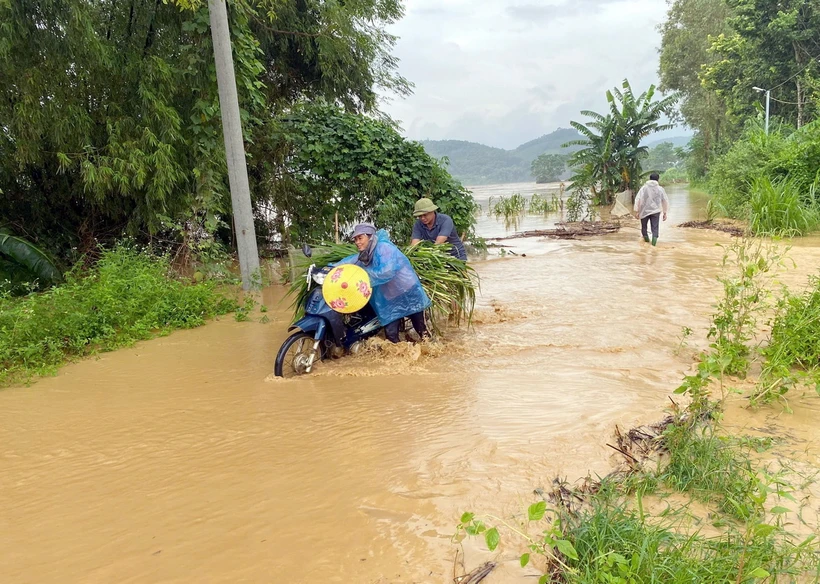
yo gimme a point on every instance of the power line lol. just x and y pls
(785, 102)
(811, 62)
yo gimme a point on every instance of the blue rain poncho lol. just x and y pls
(397, 291)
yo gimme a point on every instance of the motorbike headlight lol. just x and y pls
(319, 278)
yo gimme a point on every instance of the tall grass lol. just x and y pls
(128, 296)
(778, 209)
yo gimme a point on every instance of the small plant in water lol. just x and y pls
(542, 205)
(749, 268)
(508, 207)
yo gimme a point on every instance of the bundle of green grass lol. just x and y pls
(449, 282)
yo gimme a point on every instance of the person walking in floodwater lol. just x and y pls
(649, 204)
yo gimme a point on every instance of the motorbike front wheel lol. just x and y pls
(294, 355)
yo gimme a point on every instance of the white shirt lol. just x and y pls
(651, 199)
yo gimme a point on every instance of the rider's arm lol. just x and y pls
(417, 235)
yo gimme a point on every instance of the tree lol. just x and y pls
(110, 115)
(686, 40)
(548, 167)
(610, 160)
(663, 157)
(334, 161)
(772, 45)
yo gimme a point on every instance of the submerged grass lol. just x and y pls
(508, 206)
(711, 467)
(543, 205)
(128, 296)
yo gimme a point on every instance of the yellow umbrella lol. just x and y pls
(347, 288)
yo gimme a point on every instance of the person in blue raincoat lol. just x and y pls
(397, 291)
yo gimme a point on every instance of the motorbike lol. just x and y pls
(322, 332)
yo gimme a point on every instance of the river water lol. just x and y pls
(181, 459)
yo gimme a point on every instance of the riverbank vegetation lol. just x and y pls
(722, 57)
(127, 296)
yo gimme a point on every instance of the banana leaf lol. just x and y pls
(30, 257)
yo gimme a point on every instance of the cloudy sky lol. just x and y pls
(502, 72)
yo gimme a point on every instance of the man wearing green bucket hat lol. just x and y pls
(436, 227)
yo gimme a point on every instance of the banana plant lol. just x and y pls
(23, 262)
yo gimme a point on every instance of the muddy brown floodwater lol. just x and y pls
(181, 460)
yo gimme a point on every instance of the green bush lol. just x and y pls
(128, 296)
(783, 155)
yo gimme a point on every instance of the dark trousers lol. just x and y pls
(655, 219)
(391, 329)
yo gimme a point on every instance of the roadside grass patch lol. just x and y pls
(778, 207)
(129, 295)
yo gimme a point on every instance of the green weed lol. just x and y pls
(793, 350)
(749, 267)
(508, 206)
(128, 296)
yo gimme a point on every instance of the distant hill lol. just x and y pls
(548, 143)
(677, 141)
(476, 164)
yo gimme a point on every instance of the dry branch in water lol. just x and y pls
(571, 230)
(476, 575)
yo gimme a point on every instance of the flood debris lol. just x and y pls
(636, 447)
(567, 230)
(476, 575)
(731, 229)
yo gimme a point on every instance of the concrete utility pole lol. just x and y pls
(768, 93)
(234, 146)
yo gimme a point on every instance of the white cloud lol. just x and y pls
(503, 73)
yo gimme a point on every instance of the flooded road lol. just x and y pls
(180, 460)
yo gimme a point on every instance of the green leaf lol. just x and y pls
(544, 579)
(758, 573)
(492, 538)
(566, 548)
(467, 517)
(30, 257)
(764, 529)
(536, 510)
(779, 510)
(525, 559)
